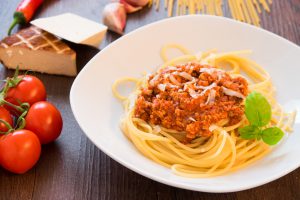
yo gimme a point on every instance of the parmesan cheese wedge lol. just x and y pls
(37, 50)
(73, 28)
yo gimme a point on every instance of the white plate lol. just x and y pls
(98, 112)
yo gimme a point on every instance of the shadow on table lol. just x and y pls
(84, 54)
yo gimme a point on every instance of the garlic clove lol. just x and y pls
(130, 8)
(114, 17)
(136, 3)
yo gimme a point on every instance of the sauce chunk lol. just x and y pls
(190, 98)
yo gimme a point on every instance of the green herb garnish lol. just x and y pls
(258, 112)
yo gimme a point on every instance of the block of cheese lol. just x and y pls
(73, 28)
(38, 50)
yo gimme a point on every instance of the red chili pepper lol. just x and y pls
(24, 12)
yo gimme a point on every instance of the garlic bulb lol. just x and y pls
(137, 2)
(130, 8)
(114, 17)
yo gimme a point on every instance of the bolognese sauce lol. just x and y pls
(190, 98)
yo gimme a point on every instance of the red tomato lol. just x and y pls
(30, 89)
(45, 121)
(5, 115)
(19, 151)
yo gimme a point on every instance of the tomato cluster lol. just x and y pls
(27, 121)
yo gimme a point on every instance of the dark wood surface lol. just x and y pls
(73, 168)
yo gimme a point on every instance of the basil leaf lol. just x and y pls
(272, 136)
(257, 109)
(250, 132)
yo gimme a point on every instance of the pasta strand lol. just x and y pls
(241, 10)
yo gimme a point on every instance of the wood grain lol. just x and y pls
(73, 168)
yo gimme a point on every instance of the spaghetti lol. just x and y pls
(242, 10)
(197, 155)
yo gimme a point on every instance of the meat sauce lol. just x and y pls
(190, 98)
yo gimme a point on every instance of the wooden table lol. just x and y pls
(73, 168)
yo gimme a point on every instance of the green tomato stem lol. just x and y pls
(21, 122)
(18, 108)
(10, 129)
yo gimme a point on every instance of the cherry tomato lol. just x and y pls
(30, 89)
(45, 121)
(19, 151)
(5, 115)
